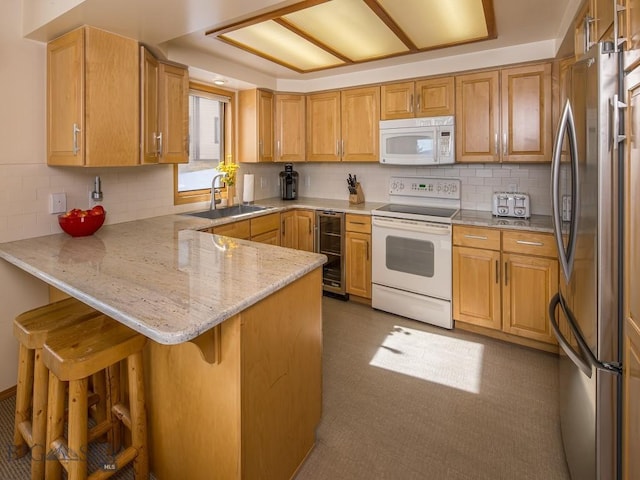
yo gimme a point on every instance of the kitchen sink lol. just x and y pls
(233, 211)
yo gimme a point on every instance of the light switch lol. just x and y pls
(57, 203)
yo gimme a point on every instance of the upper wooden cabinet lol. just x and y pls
(93, 107)
(423, 98)
(505, 115)
(632, 33)
(290, 128)
(164, 100)
(255, 119)
(343, 125)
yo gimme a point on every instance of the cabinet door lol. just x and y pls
(435, 97)
(584, 29)
(290, 128)
(526, 114)
(271, 238)
(65, 94)
(397, 100)
(240, 229)
(529, 284)
(360, 140)
(173, 113)
(288, 229)
(305, 220)
(323, 127)
(478, 117)
(632, 32)
(603, 14)
(265, 126)
(149, 71)
(476, 287)
(358, 264)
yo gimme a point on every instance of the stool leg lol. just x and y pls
(55, 426)
(24, 392)
(39, 420)
(113, 392)
(138, 411)
(77, 429)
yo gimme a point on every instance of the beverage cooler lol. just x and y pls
(330, 242)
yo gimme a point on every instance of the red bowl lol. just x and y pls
(78, 226)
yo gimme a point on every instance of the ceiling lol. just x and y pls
(179, 27)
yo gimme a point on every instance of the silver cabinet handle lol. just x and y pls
(496, 144)
(160, 145)
(278, 148)
(260, 148)
(588, 20)
(476, 237)
(337, 148)
(497, 271)
(418, 104)
(525, 242)
(505, 148)
(411, 103)
(367, 251)
(76, 131)
(506, 274)
(342, 147)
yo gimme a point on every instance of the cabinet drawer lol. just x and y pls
(265, 223)
(357, 223)
(529, 243)
(476, 237)
(236, 229)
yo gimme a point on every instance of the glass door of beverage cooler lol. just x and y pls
(330, 242)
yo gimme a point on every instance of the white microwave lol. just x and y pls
(418, 141)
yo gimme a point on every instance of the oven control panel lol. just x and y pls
(425, 187)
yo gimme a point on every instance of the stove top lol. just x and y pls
(420, 198)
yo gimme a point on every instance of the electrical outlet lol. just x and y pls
(57, 203)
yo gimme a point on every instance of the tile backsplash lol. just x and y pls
(479, 181)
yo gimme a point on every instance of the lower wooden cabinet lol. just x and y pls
(240, 229)
(504, 281)
(358, 255)
(297, 229)
(263, 229)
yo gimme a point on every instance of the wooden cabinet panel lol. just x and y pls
(357, 223)
(290, 128)
(149, 126)
(297, 229)
(358, 264)
(435, 97)
(631, 401)
(603, 14)
(93, 107)
(632, 32)
(476, 237)
(255, 120)
(240, 229)
(173, 113)
(323, 127)
(526, 114)
(529, 284)
(476, 287)
(288, 229)
(478, 117)
(265, 223)
(529, 243)
(430, 97)
(271, 238)
(360, 117)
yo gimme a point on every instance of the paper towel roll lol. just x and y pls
(247, 189)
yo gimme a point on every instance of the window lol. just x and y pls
(209, 143)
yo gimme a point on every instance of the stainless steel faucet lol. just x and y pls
(215, 190)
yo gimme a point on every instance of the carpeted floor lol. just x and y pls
(404, 400)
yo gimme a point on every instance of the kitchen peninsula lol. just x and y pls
(233, 365)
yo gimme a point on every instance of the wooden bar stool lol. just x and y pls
(73, 355)
(31, 329)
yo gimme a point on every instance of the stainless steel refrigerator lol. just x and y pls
(584, 314)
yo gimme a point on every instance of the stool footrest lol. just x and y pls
(100, 429)
(122, 413)
(26, 431)
(60, 449)
(121, 460)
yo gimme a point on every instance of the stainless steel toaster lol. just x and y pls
(511, 204)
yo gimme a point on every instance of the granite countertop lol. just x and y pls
(537, 223)
(160, 276)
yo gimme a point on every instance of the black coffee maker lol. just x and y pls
(289, 183)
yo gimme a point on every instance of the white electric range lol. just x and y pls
(411, 248)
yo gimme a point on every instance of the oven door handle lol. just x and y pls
(410, 226)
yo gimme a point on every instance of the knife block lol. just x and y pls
(358, 197)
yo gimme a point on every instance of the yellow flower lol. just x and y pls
(230, 169)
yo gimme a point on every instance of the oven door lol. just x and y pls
(412, 255)
(409, 146)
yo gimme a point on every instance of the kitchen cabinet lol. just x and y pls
(631, 53)
(93, 106)
(358, 255)
(504, 115)
(584, 29)
(266, 229)
(164, 100)
(241, 229)
(504, 281)
(423, 98)
(290, 131)
(255, 120)
(343, 125)
(297, 229)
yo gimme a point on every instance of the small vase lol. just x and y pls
(231, 192)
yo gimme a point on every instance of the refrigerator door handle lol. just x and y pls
(566, 125)
(576, 357)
